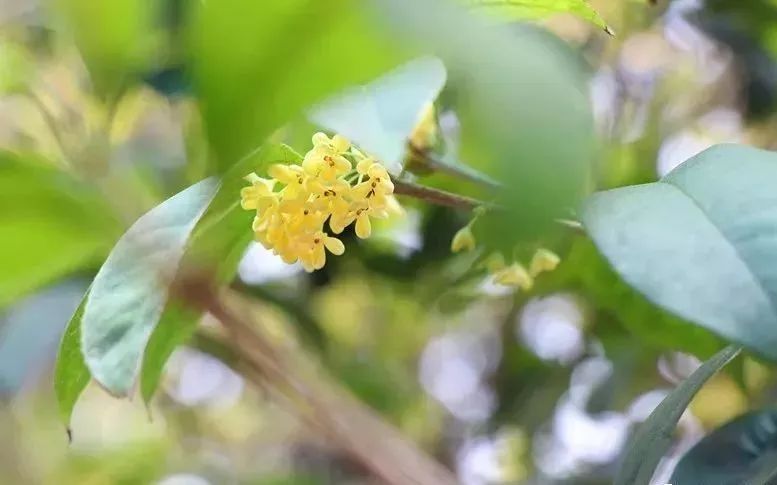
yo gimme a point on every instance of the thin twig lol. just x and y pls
(436, 196)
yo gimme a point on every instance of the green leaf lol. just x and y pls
(744, 450)
(71, 376)
(258, 64)
(380, 116)
(700, 242)
(537, 9)
(16, 68)
(175, 327)
(655, 435)
(652, 325)
(50, 225)
(116, 39)
(130, 290)
(525, 116)
(218, 242)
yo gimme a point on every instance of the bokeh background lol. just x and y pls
(539, 387)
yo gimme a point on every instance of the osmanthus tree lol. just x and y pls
(367, 77)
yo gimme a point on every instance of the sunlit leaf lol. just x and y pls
(258, 64)
(130, 290)
(536, 9)
(175, 327)
(698, 242)
(114, 38)
(380, 116)
(16, 68)
(71, 375)
(654, 436)
(50, 225)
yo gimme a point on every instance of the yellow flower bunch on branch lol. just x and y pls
(336, 183)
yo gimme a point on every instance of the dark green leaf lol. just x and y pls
(380, 116)
(699, 242)
(71, 375)
(129, 292)
(655, 435)
(742, 451)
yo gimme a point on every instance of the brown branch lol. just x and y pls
(318, 401)
(436, 196)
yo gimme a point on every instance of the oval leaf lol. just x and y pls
(130, 290)
(380, 116)
(71, 376)
(655, 435)
(219, 241)
(700, 241)
(744, 450)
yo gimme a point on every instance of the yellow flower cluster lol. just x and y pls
(514, 274)
(335, 183)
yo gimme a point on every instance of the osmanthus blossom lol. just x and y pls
(325, 187)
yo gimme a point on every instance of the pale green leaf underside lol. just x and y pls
(220, 238)
(130, 290)
(655, 435)
(380, 116)
(536, 9)
(701, 242)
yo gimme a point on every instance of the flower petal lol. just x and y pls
(334, 245)
(363, 226)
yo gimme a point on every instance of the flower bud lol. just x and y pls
(463, 240)
(514, 275)
(543, 260)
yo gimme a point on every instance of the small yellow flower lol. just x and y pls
(252, 197)
(514, 275)
(315, 257)
(291, 175)
(376, 190)
(326, 158)
(543, 260)
(333, 198)
(463, 240)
